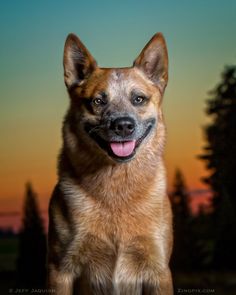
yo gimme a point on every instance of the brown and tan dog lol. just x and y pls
(110, 218)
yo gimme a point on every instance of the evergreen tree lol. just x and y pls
(220, 158)
(31, 264)
(181, 258)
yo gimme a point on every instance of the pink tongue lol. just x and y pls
(123, 149)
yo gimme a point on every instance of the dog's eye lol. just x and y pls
(139, 100)
(98, 101)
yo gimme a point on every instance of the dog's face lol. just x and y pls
(115, 110)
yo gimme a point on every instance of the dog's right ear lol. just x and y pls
(78, 62)
(153, 61)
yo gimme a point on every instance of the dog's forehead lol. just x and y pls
(121, 82)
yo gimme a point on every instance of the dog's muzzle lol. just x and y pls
(121, 137)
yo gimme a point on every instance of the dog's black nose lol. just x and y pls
(123, 126)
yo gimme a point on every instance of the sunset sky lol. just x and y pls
(201, 41)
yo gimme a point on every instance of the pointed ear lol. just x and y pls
(153, 61)
(78, 62)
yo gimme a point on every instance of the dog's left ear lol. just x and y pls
(153, 61)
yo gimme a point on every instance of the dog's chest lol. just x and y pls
(117, 221)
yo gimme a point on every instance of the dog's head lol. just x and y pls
(115, 110)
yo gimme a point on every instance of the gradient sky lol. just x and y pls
(201, 41)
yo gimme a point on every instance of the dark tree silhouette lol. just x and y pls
(180, 205)
(220, 158)
(31, 264)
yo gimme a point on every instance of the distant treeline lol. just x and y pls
(7, 233)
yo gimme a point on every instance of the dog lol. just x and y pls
(110, 220)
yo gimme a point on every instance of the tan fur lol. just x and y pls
(111, 223)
